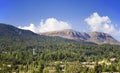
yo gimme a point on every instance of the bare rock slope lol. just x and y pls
(95, 37)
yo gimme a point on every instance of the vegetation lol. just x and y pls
(27, 52)
(66, 57)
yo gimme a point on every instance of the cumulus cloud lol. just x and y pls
(50, 24)
(31, 27)
(101, 24)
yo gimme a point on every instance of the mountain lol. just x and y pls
(69, 34)
(95, 37)
(102, 38)
(10, 31)
(11, 35)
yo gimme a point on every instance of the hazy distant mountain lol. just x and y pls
(95, 37)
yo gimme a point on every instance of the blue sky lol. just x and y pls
(74, 12)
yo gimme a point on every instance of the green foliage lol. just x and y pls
(16, 53)
(98, 68)
(45, 70)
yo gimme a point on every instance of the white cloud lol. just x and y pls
(31, 27)
(50, 24)
(102, 24)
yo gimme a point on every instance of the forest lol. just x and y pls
(26, 52)
(65, 57)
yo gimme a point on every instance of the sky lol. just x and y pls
(52, 15)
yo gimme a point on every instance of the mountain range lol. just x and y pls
(10, 33)
(94, 37)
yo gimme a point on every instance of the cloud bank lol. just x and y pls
(50, 24)
(102, 24)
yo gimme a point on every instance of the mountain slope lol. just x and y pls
(68, 33)
(95, 37)
(9, 30)
(102, 38)
(10, 35)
